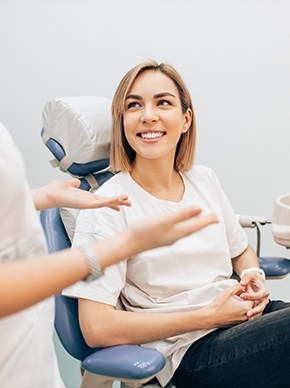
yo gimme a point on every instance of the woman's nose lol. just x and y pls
(149, 114)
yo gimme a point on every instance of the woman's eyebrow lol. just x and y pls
(159, 95)
(164, 94)
(134, 96)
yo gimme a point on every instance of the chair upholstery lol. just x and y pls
(275, 267)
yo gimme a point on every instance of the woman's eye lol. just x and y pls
(133, 104)
(164, 102)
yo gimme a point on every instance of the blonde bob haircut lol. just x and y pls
(122, 154)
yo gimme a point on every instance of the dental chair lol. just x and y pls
(274, 267)
(77, 131)
(88, 120)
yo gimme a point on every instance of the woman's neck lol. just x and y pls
(158, 179)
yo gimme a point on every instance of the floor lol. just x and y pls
(69, 367)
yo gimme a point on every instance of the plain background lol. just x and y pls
(233, 54)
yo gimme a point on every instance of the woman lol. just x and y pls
(28, 274)
(179, 300)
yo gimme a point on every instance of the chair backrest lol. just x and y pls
(77, 131)
(66, 309)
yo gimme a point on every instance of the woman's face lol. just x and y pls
(153, 119)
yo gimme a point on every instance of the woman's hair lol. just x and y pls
(122, 154)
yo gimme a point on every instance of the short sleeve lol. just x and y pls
(91, 226)
(236, 236)
(106, 289)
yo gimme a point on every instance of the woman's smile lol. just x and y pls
(151, 135)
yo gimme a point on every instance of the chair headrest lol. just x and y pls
(77, 130)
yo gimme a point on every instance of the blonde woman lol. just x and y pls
(181, 299)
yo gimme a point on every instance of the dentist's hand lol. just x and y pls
(166, 229)
(67, 194)
(153, 232)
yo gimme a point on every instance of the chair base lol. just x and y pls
(91, 380)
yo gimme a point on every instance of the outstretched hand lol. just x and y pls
(67, 194)
(166, 229)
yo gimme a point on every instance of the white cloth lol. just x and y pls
(81, 125)
(27, 356)
(185, 276)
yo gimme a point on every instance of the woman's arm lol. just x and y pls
(25, 282)
(103, 325)
(247, 259)
(68, 194)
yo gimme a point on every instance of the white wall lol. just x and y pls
(234, 56)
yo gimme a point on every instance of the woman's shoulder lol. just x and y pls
(115, 185)
(199, 171)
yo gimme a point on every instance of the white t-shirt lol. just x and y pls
(185, 276)
(27, 355)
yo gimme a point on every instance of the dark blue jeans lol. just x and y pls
(255, 354)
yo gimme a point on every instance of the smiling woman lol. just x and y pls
(153, 116)
(173, 94)
(154, 124)
(180, 300)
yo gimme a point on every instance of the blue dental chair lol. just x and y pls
(274, 267)
(78, 129)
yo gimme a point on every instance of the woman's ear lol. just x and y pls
(187, 120)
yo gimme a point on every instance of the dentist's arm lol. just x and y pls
(25, 282)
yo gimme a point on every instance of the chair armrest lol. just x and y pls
(125, 361)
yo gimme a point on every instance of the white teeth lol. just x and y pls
(151, 135)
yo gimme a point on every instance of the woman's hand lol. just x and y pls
(228, 309)
(256, 292)
(67, 194)
(253, 282)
